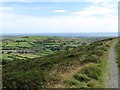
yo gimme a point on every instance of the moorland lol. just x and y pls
(55, 62)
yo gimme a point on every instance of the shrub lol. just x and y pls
(98, 52)
(54, 79)
(81, 77)
(92, 71)
(72, 82)
(91, 58)
(93, 84)
(24, 80)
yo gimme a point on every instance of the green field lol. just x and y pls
(24, 44)
(12, 44)
(7, 56)
(31, 56)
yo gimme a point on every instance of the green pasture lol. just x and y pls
(31, 56)
(7, 57)
(24, 44)
(12, 44)
(3, 44)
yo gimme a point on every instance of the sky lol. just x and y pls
(58, 16)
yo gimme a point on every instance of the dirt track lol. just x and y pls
(113, 68)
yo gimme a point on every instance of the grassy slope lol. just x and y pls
(117, 52)
(117, 56)
(46, 71)
(93, 74)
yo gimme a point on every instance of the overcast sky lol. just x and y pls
(58, 16)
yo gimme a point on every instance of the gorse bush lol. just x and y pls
(92, 84)
(98, 52)
(72, 82)
(91, 58)
(92, 71)
(21, 80)
(118, 52)
(81, 77)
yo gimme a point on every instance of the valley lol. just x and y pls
(55, 62)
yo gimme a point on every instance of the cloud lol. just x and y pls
(59, 11)
(95, 1)
(96, 10)
(6, 8)
(41, 1)
(99, 1)
(27, 1)
(12, 23)
(99, 8)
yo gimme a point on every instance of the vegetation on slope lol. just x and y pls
(93, 73)
(118, 58)
(46, 71)
(117, 52)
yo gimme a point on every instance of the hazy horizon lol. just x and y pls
(64, 34)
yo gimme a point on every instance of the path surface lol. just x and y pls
(113, 68)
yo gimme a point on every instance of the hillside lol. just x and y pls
(47, 72)
(118, 58)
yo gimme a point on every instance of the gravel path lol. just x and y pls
(113, 68)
